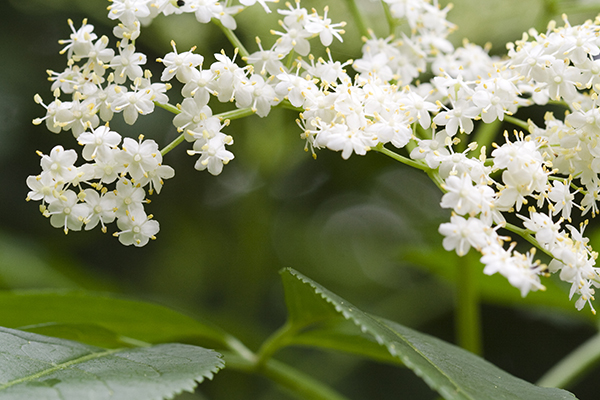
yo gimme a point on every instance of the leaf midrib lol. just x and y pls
(61, 366)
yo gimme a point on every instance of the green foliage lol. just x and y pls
(453, 372)
(39, 367)
(102, 319)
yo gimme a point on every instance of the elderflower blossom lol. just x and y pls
(546, 175)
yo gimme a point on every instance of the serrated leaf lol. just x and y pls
(39, 367)
(453, 372)
(318, 324)
(72, 315)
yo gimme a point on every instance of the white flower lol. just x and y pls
(136, 228)
(294, 38)
(263, 3)
(194, 113)
(295, 88)
(213, 154)
(127, 64)
(156, 176)
(102, 208)
(257, 94)
(128, 9)
(547, 232)
(106, 167)
(128, 30)
(521, 270)
(560, 194)
(180, 64)
(136, 102)
(324, 28)
(460, 116)
(43, 187)
(65, 212)
(60, 164)
(77, 116)
(265, 60)
(98, 140)
(129, 197)
(432, 150)
(464, 198)
(462, 234)
(227, 76)
(199, 84)
(80, 41)
(417, 108)
(139, 157)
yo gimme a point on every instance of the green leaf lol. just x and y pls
(38, 367)
(453, 372)
(316, 323)
(74, 314)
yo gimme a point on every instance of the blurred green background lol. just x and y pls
(365, 228)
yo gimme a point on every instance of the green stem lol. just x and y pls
(173, 144)
(277, 340)
(485, 135)
(404, 160)
(526, 234)
(168, 107)
(235, 114)
(518, 122)
(468, 320)
(229, 115)
(574, 366)
(297, 382)
(435, 177)
(232, 37)
(388, 15)
(359, 18)
(301, 385)
(288, 106)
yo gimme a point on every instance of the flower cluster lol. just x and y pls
(432, 120)
(100, 82)
(416, 93)
(95, 82)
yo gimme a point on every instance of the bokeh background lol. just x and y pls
(365, 228)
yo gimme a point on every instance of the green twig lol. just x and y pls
(173, 144)
(232, 37)
(468, 319)
(388, 15)
(359, 18)
(277, 340)
(518, 122)
(404, 160)
(574, 366)
(235, 114)
(288, 106)
(301, 385)
(526, 234)
(229, 115)
(168, 107)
